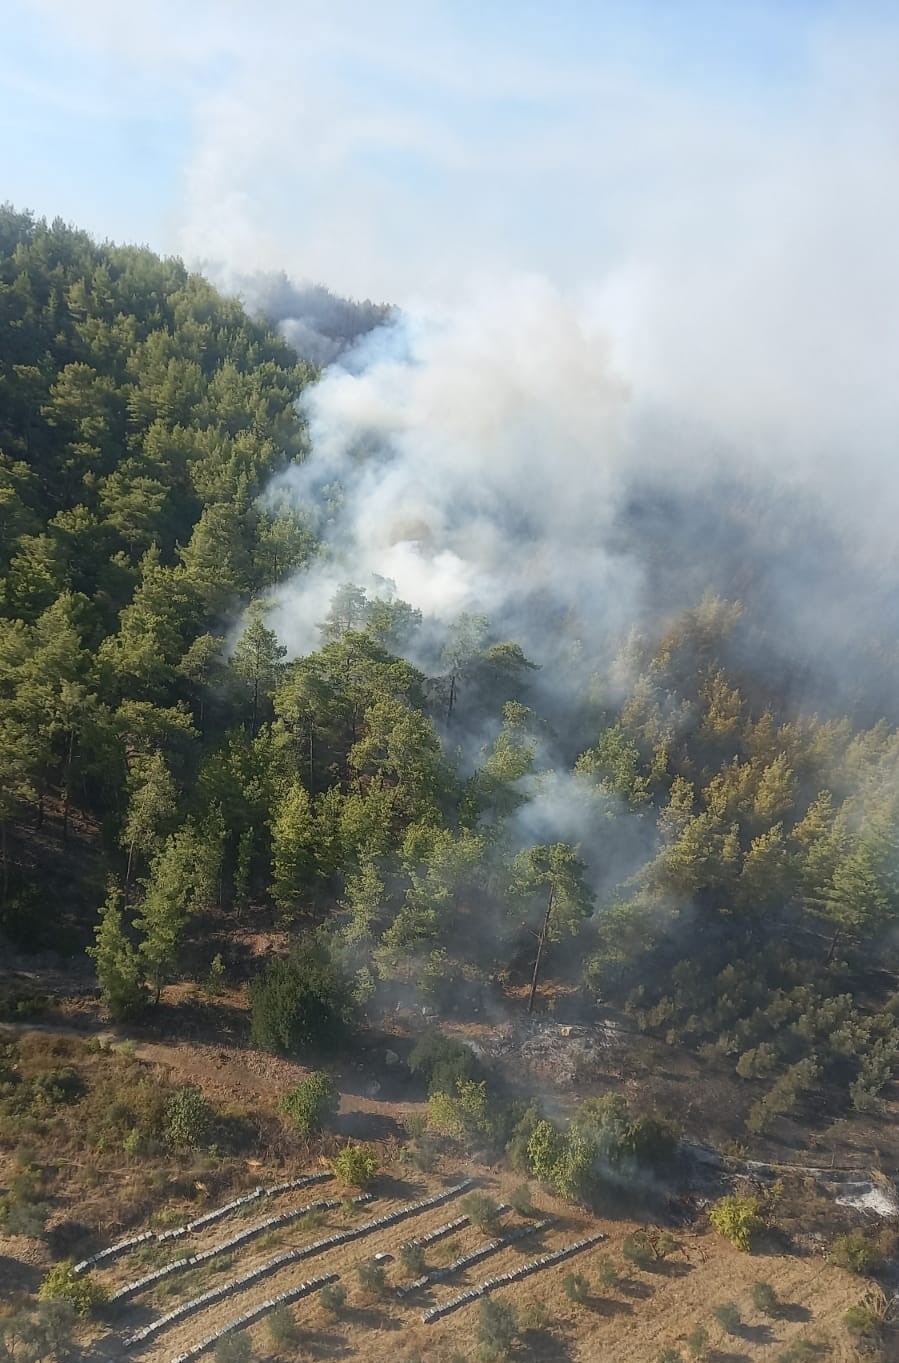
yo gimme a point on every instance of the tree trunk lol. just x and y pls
(833, 946)
(4, 858)
(452, 698)
(67, 779)
(541, 943)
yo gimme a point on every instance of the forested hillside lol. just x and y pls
(683, 839)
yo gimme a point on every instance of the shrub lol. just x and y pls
(576, 1287)
(187, 1117)
(442, 1062)
(671, 1355)
(698, 1342)
(299, 1002)
(216, 977)
(372, 1279)
(608, 1273)
(497, 1328)
(517, 1151)
(862, 1321)
(636, 1249)
(855, 1252)
(355, 1165)
(543, 1150)
(574, 1175)
(28, 1219)
(481, 1210)
(804, 1351)
(311, 1103)
(534, 1316)
(521, 1200)
(416, 1124)
(424, 1155)
(463, 1115)
(649, 1140)
(765, 1299)
(333, 1299)
(282, 1328)
(664, 1243)
(412, 1258)
(728, 1317)
(736, 1218)
(234, 1348)
(84, 1293)
(759, 1063)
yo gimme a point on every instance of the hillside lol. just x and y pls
(632, 882)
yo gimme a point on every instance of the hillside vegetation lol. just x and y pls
(684, 840)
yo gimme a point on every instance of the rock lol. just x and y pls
(391, 1058)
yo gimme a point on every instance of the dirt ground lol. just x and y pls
(648, 1311)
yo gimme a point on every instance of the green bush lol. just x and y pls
(698, 1342)
(481, 1210)
(728, 1317)
(521, 1200)
(282, 1328)
(855, 1252)
(608, 1273)
(235, 1348)
(83, 1293)
(497, 1329)
(299, 1002)
(765, 1299)
(862, 1321)
(188, 1118)
(737, 1219)
(534, 1316)
(576, 1287)
(442, 1062)
(311, 1103)
(216, 977)
(637, 1250)
(372, 1277)
(333, 1299)
(671, 1355)
(355, 1166)
(804, 1351)
(413, 1259)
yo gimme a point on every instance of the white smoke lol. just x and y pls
(478, 454)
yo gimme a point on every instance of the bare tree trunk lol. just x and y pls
(452, 698)
(541, 943)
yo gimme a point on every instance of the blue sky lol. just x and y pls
(386, 148)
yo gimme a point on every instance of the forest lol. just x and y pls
(665, 823)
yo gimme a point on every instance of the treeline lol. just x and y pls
(713, 858)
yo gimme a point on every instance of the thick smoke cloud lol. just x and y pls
(492, 458)
(319, 325)
(478, 455)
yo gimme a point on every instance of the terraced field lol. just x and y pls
(521, 1261)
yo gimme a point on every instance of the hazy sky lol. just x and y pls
(389, 148)
(713, 187)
